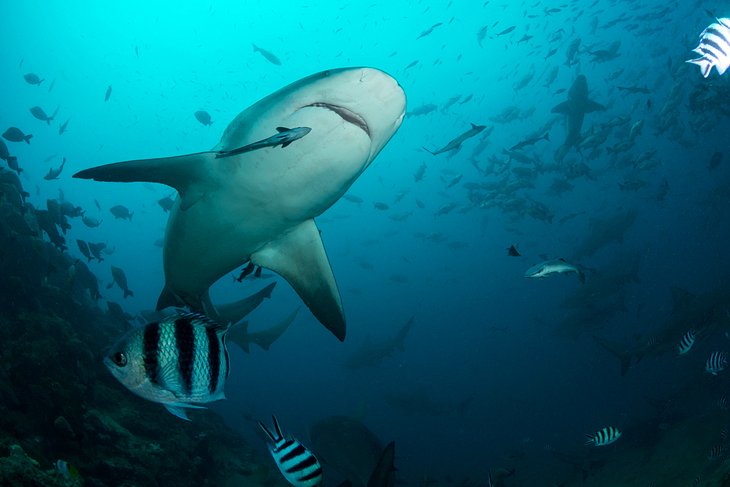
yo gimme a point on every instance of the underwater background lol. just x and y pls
(497, 373)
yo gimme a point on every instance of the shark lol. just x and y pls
(575, 108)
(259, 206)
(455, 144)
(706, 313)
(370, 353)
(241, 336)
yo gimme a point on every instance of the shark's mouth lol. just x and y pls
(345, 114)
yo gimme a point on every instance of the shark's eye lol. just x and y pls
(120, 359)
(326, 73)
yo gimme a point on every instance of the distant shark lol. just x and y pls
(575, 108)
(370, 353)
(265, 338)
(259, 206)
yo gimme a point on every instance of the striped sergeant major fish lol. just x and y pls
(685, 344)
(179, 362)
(716, 363)
(603, 437)
(297, 464)
(714, 48)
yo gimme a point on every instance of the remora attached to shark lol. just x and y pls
(575, 108)
(260, 206)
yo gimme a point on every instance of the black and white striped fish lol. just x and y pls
(685, 344)
(179, 362)
(603, 437)
(714, 48)
(297, 464)
(716, 363)
(716, 452)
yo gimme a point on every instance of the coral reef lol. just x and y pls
(58, 401)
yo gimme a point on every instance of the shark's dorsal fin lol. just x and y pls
(281, 129)
(299, 257)
(184, 173)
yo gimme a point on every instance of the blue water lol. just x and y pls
(530, 386)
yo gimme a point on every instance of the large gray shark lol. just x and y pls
(575, 108)
(259, 206)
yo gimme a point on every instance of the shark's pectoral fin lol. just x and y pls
(592, 106)
(561, 108)
(184, 173)
(299, 257)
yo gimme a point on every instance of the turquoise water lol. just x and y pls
(498, 371)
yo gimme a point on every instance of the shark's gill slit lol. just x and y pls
(347, 115)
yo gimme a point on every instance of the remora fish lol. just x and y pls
(284, 137)
(575, 108)
(554, 266)
(295, 462)
(263, 210)
(714, 48)
(530, 141)
(456, 143)
(269, 56)
(179, 362)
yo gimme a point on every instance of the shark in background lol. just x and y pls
(260, 205)
(370, 353)
(575, 109)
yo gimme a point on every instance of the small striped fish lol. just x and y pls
(297, 464)
(603, 437)
(714, 48)
(685, 344)
(180, 362)
(716, 363)
(716, 452)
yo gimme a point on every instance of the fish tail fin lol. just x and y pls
(27, 138)
(128, 293)
(703, 63)
(429, 151)
(590, 440)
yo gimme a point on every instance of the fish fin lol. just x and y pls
(300, 258)
(286, 143)
(168, 299)
(282, 129)
(592, 106)
(267, 431)
(277, 428)
(169, 376)
(547, 136)
(239, 335)
(427, 150)
(127, 293)
(184, 173)
(474, 126)
(563, 108)
(178, 409)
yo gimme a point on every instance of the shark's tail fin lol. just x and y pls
(617, 350)
(128, 293)
(402, 334)
(429, 151)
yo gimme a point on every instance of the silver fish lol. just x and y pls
(714, 48)
(179, 362)
(554, 266)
